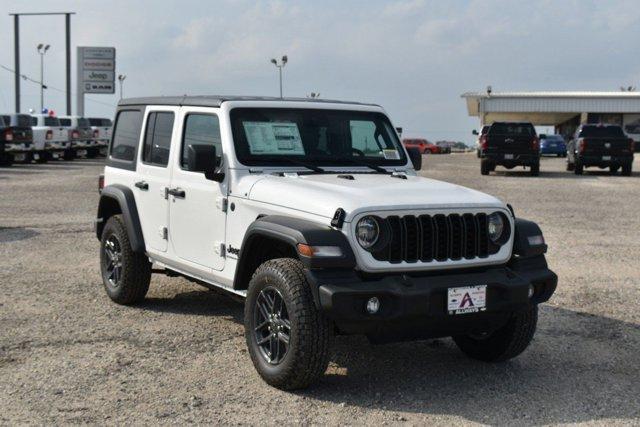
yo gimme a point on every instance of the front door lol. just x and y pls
(196, 212)
(154, 176)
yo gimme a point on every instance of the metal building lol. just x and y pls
(565, 111)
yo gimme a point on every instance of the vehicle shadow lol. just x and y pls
(580, 367)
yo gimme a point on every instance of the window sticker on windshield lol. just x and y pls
(273, 138)
(391, 154)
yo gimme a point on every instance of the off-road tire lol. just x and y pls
(535, 169)
(69, 155)
(505, 343)
(92, 153)
(626, 170)
(307, 357)
(6, 160)
(44, 157)
(135, 270)
(485, 167)
(578, 168)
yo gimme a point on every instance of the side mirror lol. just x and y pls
(415, 157)
(542, 136)
(202, 158)
(474, 132)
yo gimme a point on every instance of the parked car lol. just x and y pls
(81, 137)
(101, 132)
(600, 145)
(510, 145)
(17, 137)
(483, 131)
(553, 145)
(422, 145)
(279, 202)
(50, 138)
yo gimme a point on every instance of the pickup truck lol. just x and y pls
(602, 146)
(101, 132)
(80, 135)
(17, 138)
(510, 145)
(50, 139)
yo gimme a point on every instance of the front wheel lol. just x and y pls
(287, 336)
(505, 343)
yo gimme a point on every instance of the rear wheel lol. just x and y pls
(287, 336)
(69, 155)
(505, 343)
(535, 169)
(125, 274)
(578, 168)
(485, 166)
(626, 170)
(92, 153)
(43, 157)
(613, 169)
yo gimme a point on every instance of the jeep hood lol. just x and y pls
(322, 194)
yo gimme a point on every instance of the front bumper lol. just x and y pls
(415, 306)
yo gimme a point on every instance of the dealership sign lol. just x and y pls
(96, 72)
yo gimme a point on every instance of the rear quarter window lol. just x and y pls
(126, 136)
(24, 121)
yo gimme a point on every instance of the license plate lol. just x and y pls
(508, 156)
(20, 157)
(54, 155)
(467, 299)
(81, 152)
(103, 151)
(606, 158)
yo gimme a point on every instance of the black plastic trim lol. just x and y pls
(521, 245)
(126, 201)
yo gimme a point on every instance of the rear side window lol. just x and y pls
(157, 139)
(601, 132)
(126, 135)
(51, 121)
(65, 122)
(200, 129)
(517, 129)
(4, 120)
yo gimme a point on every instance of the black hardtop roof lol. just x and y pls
(217, 100)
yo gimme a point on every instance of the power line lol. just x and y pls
(27, 78)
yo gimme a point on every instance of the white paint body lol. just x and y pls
(197, 225)
(57, 141)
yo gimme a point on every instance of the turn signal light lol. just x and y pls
(582, 144)
(319, 251)
(483, 142)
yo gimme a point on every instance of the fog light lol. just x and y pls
(532, 291)
(373, 305)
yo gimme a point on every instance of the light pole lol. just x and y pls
(280, 66)
(121, 78)
(42, 49)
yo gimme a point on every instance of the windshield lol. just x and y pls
(601, 132)
(266, 136)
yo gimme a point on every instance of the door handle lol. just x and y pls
(142, 185)
(177, 192)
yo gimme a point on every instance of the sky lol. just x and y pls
(413, 57)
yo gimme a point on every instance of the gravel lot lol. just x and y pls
(67, 354)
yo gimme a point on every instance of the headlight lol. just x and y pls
(367, 232)
(495, 226)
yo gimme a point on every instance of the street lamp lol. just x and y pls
(280, 65)
(121, 78)
(42, 49)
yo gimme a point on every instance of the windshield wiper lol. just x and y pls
(309, 166)
(369, 165)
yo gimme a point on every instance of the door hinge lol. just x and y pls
(164, 233)
(221, 203)
(220, 249)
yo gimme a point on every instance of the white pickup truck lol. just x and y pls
(50, 138)
(101, 132)
(80, 135)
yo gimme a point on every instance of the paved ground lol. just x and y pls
(67, 354)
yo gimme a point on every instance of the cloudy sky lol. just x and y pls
(413, 57)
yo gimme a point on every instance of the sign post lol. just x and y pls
(96, 72)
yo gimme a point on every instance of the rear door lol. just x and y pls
(154, 175)
(512, 138)
(197, 210)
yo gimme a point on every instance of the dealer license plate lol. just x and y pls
(81, 152)
(467, 299)
(508, 156)
(606, 158)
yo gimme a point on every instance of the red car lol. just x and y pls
(423, 145)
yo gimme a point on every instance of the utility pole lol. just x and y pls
(280, 65)
(42, 49)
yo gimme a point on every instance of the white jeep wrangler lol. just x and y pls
(313, 213)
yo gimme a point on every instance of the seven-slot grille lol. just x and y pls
(426, 238)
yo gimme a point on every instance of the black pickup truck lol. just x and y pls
(17, 138)
(509, 145)
(602, 146)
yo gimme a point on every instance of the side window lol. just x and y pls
(126, 134)
(157, 139)
(200, 129)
